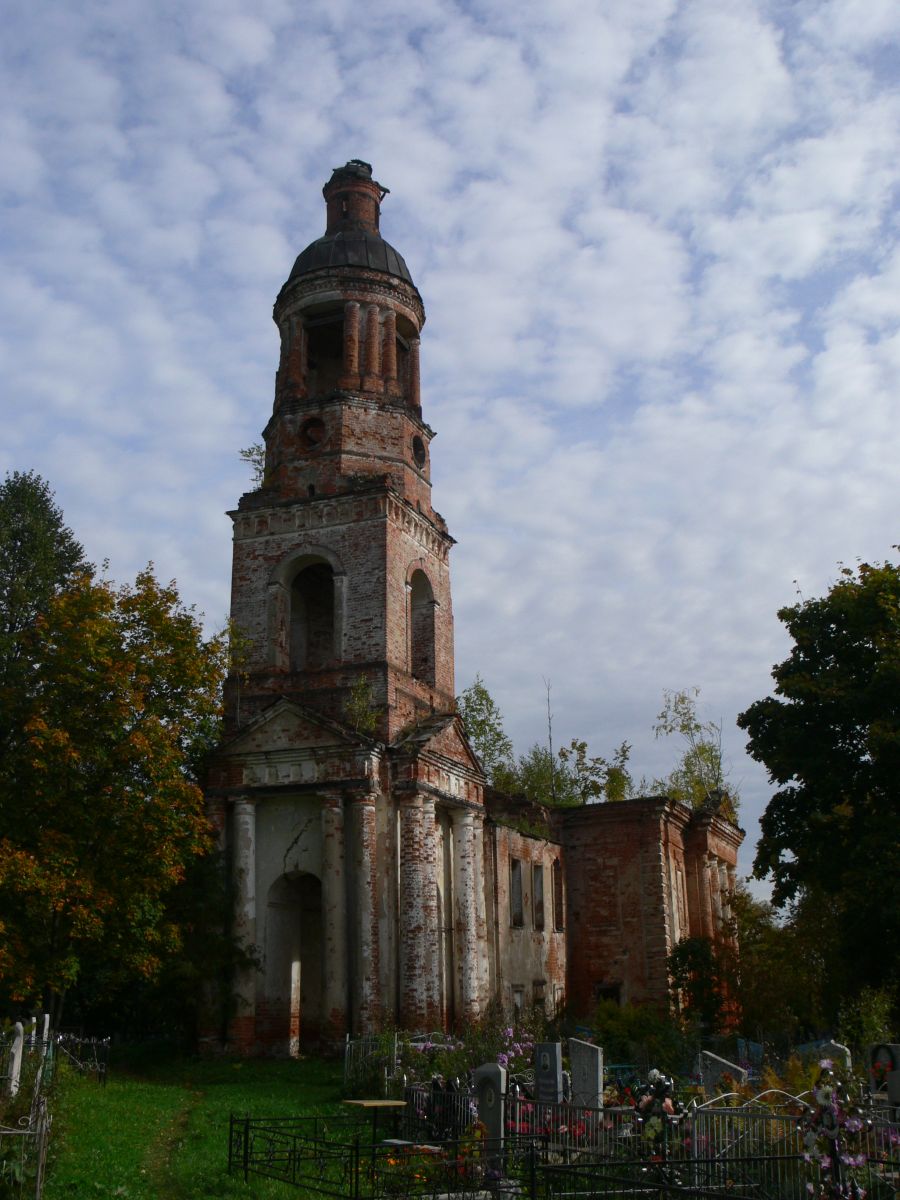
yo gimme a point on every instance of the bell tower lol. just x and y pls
(346, 799)
(341, 578)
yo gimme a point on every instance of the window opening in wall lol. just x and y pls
(518, 999)
(516, 907)
(539, 994)
(312, 433)
(421, 611)
(608, 991)
(312, 618)
(537, 895)
(325, 351)
(558, 912)
(311, 490)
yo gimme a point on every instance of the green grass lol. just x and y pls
(160, 1127)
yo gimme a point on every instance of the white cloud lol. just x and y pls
(658, 248)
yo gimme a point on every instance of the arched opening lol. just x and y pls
(421, 610)
(293, 963)
(312, 617)
(325, 351)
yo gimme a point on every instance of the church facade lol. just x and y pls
(374, 876)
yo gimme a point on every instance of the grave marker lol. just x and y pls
(15, 1060)
(548, 1087)
(587, 1073)
(490, 1092)
(712, 1068)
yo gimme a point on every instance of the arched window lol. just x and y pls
(312, 617)
(421, 614)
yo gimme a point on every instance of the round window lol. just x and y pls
(418, 449)
(312, 433)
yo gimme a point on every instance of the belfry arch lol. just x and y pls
(422, 606)
(306, 610)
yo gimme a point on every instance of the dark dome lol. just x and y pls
(350, 248)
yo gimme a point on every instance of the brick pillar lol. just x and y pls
(389, 353)
(334, 919)
(243, 1023)
(704, 887)
(413, 961)
(365, 995)
(350, 376)
(372, 367)
(296, 359)
(465, 914)
(434, 1007)
(415, 386)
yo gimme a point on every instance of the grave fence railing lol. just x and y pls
(555, 1150)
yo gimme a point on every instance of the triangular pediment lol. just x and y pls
(442, 735)
(286, 725)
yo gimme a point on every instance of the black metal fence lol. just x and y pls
(560, 1150)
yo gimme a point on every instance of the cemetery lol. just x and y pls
(565, 1126)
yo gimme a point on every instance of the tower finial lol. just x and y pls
(353, 198)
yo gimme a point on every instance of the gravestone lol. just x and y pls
(587, 1074)
(46, 1036)
(548, 1087)
(884, 1061)
(839, 1054)
(490, 1095)
(15, 1060)
(711, 1068)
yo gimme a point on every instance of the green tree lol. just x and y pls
(38, 554)
(101, 812)
(778, 976)
(255, 458)
(593, 777)
(698, 975)
(830, 740)
(484, 727)
(699, 775)
(571, 776)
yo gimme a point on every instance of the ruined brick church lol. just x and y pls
(374, 875)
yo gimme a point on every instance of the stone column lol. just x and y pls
(243, 1024)
(433, 999)
(389, 352)
(466, 914)
(415, 387)
(365, 994)
(334, 918)
(413, 962)
(372, 367)
(350, 376)
(481, 921)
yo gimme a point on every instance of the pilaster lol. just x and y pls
(334, 917)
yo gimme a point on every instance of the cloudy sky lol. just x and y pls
(658, 248)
